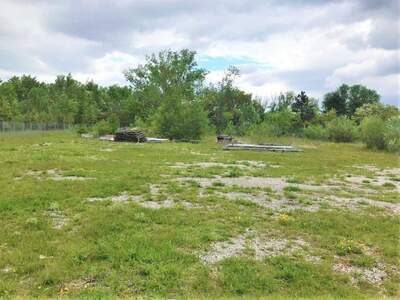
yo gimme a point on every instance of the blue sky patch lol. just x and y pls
(222, 63)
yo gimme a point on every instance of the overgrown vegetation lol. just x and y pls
(70, 230)
(168, 96)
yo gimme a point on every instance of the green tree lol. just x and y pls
(282, 102)
(167, 87)
(227, 105)
(337, 100)
(305, 107)
(165, 75)
(346, 99)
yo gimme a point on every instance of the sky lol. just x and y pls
(278, 45)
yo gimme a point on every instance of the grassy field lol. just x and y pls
(85, 218)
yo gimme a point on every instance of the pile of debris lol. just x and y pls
(223, 138)
(130, 135)
(262, 147)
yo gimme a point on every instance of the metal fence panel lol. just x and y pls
(13, 126)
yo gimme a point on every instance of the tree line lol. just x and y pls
(168, 94)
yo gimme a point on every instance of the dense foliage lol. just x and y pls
(168, 95)
(346, 99)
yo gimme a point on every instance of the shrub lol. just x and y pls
(108, 126)
(341, 129)
(281, 123)
(392, 134)
(316, 132)
(178, 119)
(372, 131)
(80, 129)
(383, 111)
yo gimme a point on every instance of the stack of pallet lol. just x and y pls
(130, 135)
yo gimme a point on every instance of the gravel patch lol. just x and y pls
(356, 203)
(59, 220)
(374, 275)
(139, 199)
(265, 246)
(52, 174)
(277, 184)
(262, 245)
(225, 249)
(262, 200)
(243, 164)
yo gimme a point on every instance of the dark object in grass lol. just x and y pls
(222, 138)
(262, 147)
(130, 135)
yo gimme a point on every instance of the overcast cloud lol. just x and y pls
(278, 45)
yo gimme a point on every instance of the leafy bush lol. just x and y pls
(316, 132)
(80, 129)
(178, 119)
(281, 123)
(342, 129)
(372, 132)
(108, 126)
(392, 134)
(383, 111)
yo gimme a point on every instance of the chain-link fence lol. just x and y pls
(12, 126)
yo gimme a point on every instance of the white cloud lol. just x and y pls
(159, 38)
(109, 68)
(310, 45)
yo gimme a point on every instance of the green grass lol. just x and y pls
(108, 249)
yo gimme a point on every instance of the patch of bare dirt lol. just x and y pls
(262, 199)
(356, 203)
(139, 199)
(276, 184)
(225, 249)
(243, 164)
(262, 245)
(78, 284)
(52, 174)
(374, 275)
(59, 220)
(265, 246)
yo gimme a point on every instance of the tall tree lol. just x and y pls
(346, 99)
(304, 106)
(165, 75)
(166, 88)
(226, 104)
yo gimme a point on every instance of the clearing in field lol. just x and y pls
(82, 217)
